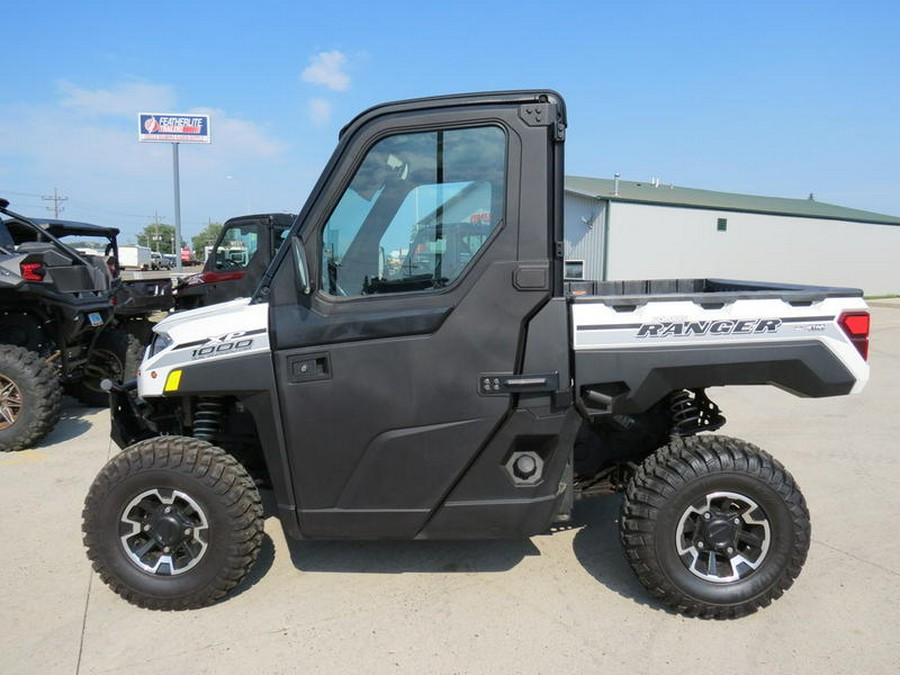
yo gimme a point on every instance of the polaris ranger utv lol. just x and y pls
(388, 382)
(55, 330)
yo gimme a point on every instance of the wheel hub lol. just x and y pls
(168, 530)
(719, 533)
(164, 532)
(723, 537)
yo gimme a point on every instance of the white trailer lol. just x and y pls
(135, 257)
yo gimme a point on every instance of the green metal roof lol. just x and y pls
(666, 195)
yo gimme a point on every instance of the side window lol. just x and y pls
(574, 270)
(416, 213)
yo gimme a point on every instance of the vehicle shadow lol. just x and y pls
(73, 421)
(596, 547)
(399, 557)
(260, 568)
(599, 551)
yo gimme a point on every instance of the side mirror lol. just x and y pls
(302, 267)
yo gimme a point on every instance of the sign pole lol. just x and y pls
(174, 128)
(177, 246)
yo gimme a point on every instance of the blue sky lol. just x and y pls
(772, 98)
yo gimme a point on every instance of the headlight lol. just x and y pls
(160, 341)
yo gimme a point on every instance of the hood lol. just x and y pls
(210, 323)
(222, 310)
(220, 332)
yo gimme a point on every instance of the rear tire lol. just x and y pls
(714, 527)
(172, 523)
(115, 356)
(30, 398)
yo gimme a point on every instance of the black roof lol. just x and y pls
(64, 228)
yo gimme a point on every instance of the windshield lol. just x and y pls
(237, 245)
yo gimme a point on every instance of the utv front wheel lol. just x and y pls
(172, 523)
(714, 527)
(30, 396)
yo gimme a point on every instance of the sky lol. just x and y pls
(769, 98)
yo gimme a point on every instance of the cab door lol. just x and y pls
(392, 365)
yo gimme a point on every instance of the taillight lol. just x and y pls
(215, 277)
(32, 271)
(212, 277)
(856, 326)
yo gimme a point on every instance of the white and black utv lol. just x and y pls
(56, 330)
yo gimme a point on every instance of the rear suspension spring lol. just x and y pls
(693, 412)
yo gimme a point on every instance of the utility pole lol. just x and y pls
(156, 236)
(56, 199)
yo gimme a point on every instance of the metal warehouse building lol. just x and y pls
(625, 230)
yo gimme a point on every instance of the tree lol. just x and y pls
(207, 237)
(159, 237)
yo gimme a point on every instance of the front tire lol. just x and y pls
(714, 527)
(30, 398)
(172, 523)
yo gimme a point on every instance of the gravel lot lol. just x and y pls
(562, 602)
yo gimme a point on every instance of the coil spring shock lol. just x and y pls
(692, 412)
(207, 418)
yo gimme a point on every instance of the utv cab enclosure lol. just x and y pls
(236, 262)
(411, 366)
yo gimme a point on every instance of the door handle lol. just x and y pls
(500, 384)
(308, 367)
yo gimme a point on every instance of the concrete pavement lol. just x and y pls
(562, 602)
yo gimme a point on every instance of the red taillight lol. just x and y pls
(856, 326)
(214, 277)
(32, 271)
(211, 278)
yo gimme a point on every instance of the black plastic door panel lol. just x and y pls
(424, 279)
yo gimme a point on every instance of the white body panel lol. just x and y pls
(235, 329)
(661, 322)
(216, 333)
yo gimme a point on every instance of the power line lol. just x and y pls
(91, 207)
(18, 194)
(56, 199)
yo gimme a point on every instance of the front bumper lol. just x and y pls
(129, 423)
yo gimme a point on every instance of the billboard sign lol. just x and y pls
(173, 127)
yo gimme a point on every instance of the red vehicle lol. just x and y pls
(187, 257)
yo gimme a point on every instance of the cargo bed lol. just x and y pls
(635, 341)
(725, 290)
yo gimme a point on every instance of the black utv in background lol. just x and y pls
(134, 300)
(56, 330)
(236, 262)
